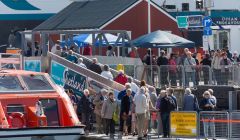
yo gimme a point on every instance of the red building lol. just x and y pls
(130, 15)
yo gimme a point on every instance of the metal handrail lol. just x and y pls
(88, 73)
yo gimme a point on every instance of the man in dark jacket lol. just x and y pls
(122, 93)
(125, 113)
(95, 67)
(165, 109)
(85, 109)
(162, 62)
(206, 62)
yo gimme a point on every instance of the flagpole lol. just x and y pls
(149, 31)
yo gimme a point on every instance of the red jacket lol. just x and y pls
(87, 51)
(121, 79)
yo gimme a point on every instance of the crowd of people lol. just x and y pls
(172, 66)
(135, 111)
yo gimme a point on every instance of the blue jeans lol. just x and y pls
(190, 76)
(207, 124)
(165, 124)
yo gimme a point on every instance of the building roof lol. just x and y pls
(86, 15)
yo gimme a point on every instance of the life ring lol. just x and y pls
(17, 120)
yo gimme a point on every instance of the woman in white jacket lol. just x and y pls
(140, 100)
(216, 65)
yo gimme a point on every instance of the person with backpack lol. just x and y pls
(170, 92)
(166, 106)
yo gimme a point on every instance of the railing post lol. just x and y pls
(210, 75)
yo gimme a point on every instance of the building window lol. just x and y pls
(199, 4)
(170, 6)
(185, 6)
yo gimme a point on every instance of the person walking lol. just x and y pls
(80, 63)
(85, 108)
(140, 100)
(106, 72)
(125, 113)
(98, 102)
(71, 57)
(122, 93)
(95, 67)
(108, 109)
(166, 106)
(134, 86)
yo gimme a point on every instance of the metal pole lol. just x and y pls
(149, 31)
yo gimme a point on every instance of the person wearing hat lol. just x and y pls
(121, 78)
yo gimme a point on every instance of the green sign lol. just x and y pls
(182, 21)
(68, 78)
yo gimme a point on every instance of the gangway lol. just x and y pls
(87, 61)
(88, 79)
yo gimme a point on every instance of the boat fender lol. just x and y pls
(17, 120)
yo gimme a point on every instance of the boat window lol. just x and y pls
(50, 108)
(15, 108)
(9, 83)
(37, 82)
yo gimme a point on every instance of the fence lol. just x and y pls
(189, 76)
(207, 124)
(213, 124)
(148, 73)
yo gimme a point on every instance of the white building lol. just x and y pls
(225, 13)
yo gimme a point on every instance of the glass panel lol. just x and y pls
(9, 83)
(15, 108)
(215, 41)
(51, 111)
(223, 40)
(37, 82)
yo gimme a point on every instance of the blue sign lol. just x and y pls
(207, 31)
(68, 78)
(57, 71)
(207, 22)
(32, 65)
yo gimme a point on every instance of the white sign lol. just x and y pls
(205, 42)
